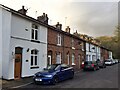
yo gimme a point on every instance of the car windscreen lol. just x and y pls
(51, 67)
(107, 61)
(87, 63)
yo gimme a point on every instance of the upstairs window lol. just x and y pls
(34, 32)
(89, 48)
(82, 46)
(59, 39)
(72, 42)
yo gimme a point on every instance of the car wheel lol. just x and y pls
(94, 69)
(72, 76)
(97, 68)
(35, 82)
(55, 80)
(104, 66)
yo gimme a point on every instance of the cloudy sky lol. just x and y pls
(91, 17)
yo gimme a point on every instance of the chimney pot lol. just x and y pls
(44, 18)
(58, 26)
(23, 10)
(67, 29)
(22, 7)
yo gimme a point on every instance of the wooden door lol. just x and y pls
(18, 59)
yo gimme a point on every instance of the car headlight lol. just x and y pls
(48, 75)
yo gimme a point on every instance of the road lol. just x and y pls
(103, 78)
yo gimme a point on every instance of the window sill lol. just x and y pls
(35, 41)
(83, 50)
(35, 67)
(73, 64)
(73, 48)
(58, 44)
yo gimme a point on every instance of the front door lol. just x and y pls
(79, 62)
(18, 61)
(49, 60)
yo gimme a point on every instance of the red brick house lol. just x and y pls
(104, 53)
(64, 47)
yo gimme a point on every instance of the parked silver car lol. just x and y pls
(116, 61)
(108, 62)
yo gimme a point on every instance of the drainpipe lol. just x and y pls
(63, 50)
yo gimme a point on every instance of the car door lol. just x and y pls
(61, 73)
(64, 73)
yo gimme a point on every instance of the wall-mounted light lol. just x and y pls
(28, 50)
(13, 55)
(93, 47)
(26, 29)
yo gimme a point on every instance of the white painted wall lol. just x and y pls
(13, 25)
(42, 57)
(18, 27)
(0, 42)
(6, 28)
(110, 55)
(91, 52)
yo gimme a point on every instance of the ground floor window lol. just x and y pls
(73, 59)
(93, 57)
(87, 58)
(58, 58)
(68, 58)
(79, 61)
(34, 58)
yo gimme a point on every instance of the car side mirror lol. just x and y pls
(44, 68)
(61, 69)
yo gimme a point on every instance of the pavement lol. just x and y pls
(16, 83)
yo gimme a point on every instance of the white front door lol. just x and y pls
(49, 60)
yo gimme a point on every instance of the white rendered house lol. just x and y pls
(23, 44)
(110, 55)
(90, 52)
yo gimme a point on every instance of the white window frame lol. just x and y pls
(72, 43)
(82, 45)
(34, 55)
(73, 59)
(58, 58)
(34, 30)
(59, 39)
(87, 57)
(79, 60)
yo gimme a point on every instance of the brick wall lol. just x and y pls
(65, 48)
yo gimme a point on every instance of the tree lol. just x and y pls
(112, 43)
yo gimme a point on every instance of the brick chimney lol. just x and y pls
(44, 18)
(67, 29)
(76, 34)
(58, 26)
(23, 10)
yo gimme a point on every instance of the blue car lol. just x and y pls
(54, 74)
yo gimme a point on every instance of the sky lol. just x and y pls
(92, 17)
